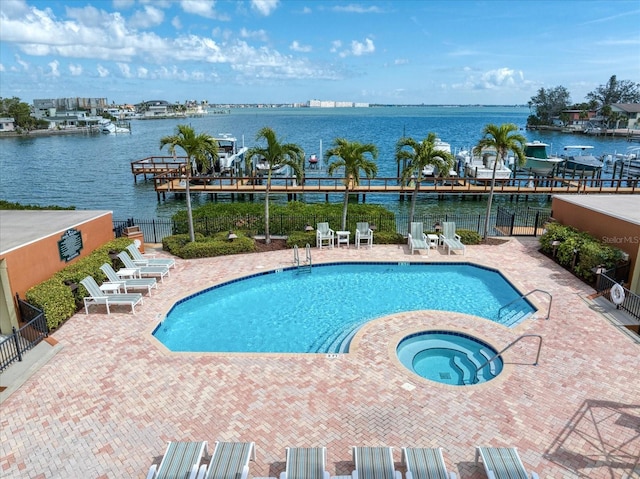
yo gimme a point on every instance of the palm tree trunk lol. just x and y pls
(267, 235)
(414, 198)
(345, 205)
(192, 236)
(490, 200)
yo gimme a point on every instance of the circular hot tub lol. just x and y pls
(449, 357)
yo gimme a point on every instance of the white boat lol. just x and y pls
(230, 155)
(629, 162)
(580, 159)
(481, 166)
(430, 170)
(108, 127)
(538, 161)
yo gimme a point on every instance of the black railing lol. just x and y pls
(21, 340)
(528, 222)
(631, 302)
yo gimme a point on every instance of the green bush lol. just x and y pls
(205, 247)
(388, 237)
(578, 251)
(301, 239)
(469, 237)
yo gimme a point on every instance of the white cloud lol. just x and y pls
(1, 67)
(76, 70)
(22, 63)
(125, 70)
(54, 68)
(335, 46)
(401, 61)
(259, 34)
(297, 47)
(355, 8)
(265, 7)
(492, 80)
(149, 17)
(102, 71)
(142, 72)
(177, 24)
(202, 8)
(359, 48)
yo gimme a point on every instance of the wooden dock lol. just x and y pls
(168, 174)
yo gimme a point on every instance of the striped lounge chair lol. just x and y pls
(181, 460)
(374, 463)
(306, 463)
(425, 463)
(229, 460)
(502, 463)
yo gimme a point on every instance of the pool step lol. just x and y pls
(514, 316)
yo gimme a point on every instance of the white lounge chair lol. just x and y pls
(425, 463)
(306, 463)
(502, 463)
(97, 296)
(229, 460)
(180, 460)
(374, 463)
(324, 233)
(128, 283)
(155, 271)
(148, 260)
(417, 239)
(364, 233)
(450, 239)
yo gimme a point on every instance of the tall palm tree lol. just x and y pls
(200, 148)
(416, 156)
(502, 139)
(351, 155)
(276, 155)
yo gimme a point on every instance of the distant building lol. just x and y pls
(49, 107)
(335, 104)
(630, 112)
(7, 124)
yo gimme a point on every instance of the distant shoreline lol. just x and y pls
(49, 132)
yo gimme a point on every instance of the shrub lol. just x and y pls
(205, 247)
(469, 237)
(388, 237)
(301, 239)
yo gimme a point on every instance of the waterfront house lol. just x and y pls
(7, 124)
(630, 113)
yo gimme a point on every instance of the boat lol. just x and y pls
(230, 156)
(580, 159)
(627, 163)
(431, 170)
(538, 161)
(313, 161)
(108, 127)
(481, 166)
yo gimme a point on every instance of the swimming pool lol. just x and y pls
(292, 312)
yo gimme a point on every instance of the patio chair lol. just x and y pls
(364, 233)
(128, 283)
(502, 463)
(450, 239)
(374, 463)
(306, 463)
(324, 233)
(149, 260)
(425, 463)
(155, 271)
(417, 239)
(97, 296)
(229, 460)
(180, 460)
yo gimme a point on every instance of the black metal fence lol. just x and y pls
(21, 340)
(631, 302)
(524, 222)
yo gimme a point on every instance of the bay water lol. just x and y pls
(93, 172)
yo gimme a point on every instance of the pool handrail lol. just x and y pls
(527, 294)
(511, 344)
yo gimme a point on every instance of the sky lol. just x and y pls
(490, 52)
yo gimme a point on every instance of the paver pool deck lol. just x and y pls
(107, 403)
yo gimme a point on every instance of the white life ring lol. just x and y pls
(617, 294)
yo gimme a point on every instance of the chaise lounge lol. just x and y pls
(98, 296)
(306, 463)
(450, 239)
(154, 271)
(149, 260)
(324, 233)
(128, 283)
(502, 463)
(374, 463)
(425, 463)
(364, 233)
(230, 460)
(180, 460)
(417, 239)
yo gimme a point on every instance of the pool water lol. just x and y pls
(449, 357)
(318, 312)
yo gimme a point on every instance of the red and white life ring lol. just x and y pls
(617, 294)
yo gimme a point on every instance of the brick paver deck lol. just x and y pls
(106, 404)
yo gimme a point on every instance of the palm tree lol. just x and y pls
(502, 140)
(351, 157)
(276, 155)
(200, 148)
(416, 156)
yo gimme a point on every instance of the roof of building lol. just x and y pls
(624, 207)
(21, 227)
(628, 107)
